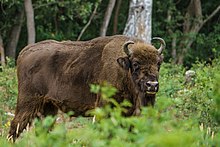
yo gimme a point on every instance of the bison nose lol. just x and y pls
(152, 86)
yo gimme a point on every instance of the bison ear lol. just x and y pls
(124, 62)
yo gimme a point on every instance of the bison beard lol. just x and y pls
(56, 75)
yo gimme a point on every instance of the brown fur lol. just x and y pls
(56, 75)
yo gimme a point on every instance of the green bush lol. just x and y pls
(216, 98)
(8, 95)
(8, 87)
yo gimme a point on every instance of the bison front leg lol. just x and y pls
(18, 124)
(26, 111)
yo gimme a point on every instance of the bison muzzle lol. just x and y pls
(56, 75)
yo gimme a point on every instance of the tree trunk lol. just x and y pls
(191, 25)
(173, 37)
(107, 17)
(139, 20)
(2, 52)
(14, 36)
(193, 22)
(174, 52)
(30, 21)
(115, 25)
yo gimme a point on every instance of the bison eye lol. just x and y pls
(135, 66)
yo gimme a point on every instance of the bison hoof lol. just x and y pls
(10, 138)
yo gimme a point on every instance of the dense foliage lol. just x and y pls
(64, 20)
(185, 114)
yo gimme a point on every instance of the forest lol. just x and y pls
(186, 113)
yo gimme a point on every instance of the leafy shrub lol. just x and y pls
(216, 98)
(8, 95)
(8, 87)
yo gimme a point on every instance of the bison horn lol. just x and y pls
(162, 44)
(125, 47)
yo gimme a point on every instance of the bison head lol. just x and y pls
(143, 64)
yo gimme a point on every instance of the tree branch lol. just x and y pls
(211, 15)
(47, 4)
(88, 23)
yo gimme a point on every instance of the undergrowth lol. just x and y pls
(185, 114)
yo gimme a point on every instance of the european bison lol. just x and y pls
(56, 75)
